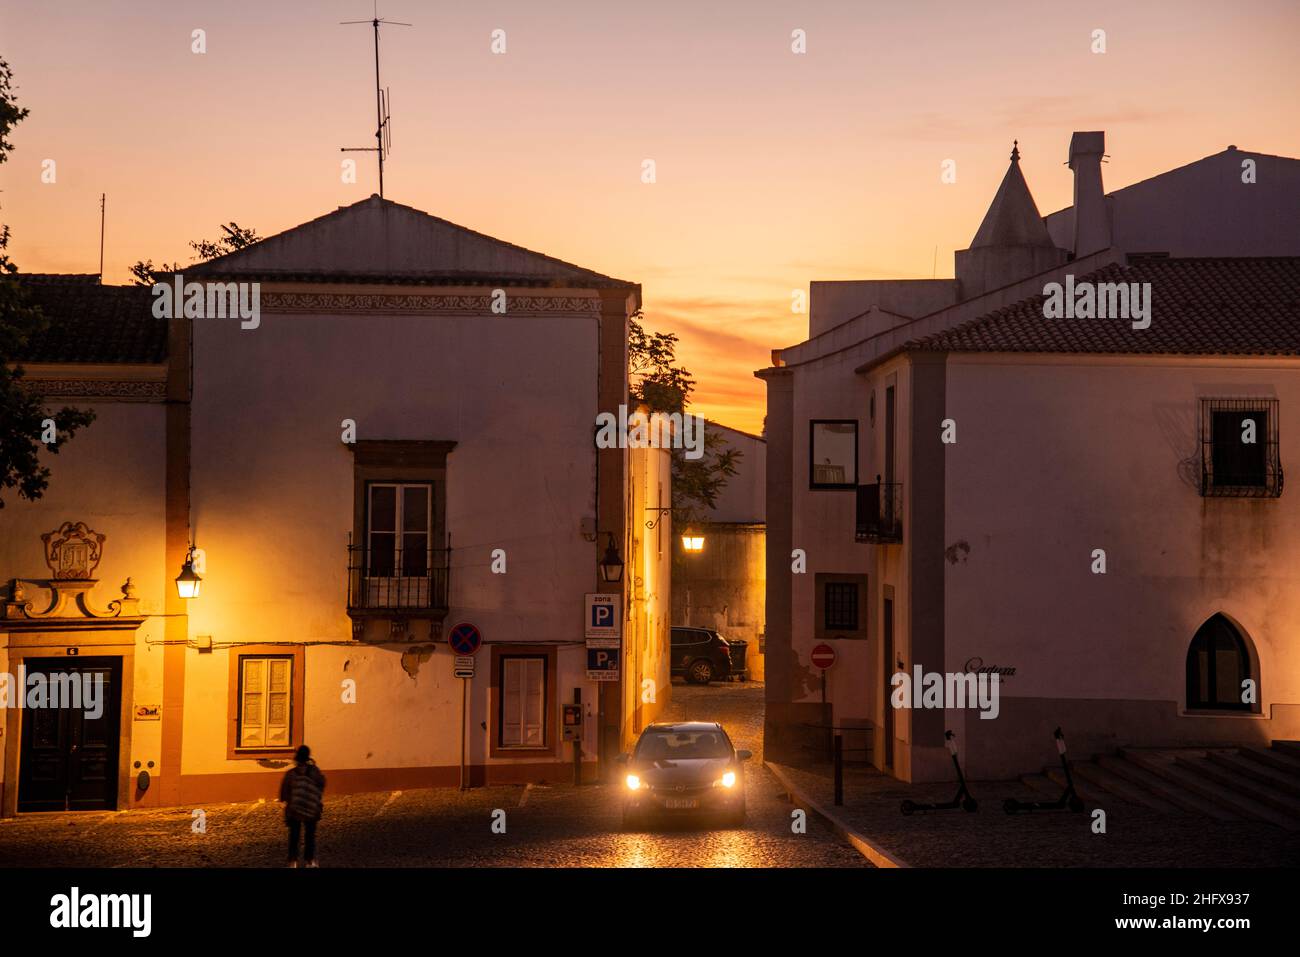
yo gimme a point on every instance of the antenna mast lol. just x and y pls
(383, 122)
(103, 197)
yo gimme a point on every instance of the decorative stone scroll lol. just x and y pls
(126, 390)
(72, 552)
(69, 605)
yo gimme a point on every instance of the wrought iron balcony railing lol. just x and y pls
(880, 513)
(1264, 483)
(1239, 448)
(395, 580)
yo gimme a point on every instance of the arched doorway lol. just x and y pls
(1218, 661)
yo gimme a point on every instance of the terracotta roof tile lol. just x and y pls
(1246, 306)
(91, 323)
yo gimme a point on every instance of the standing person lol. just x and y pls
(302, 792)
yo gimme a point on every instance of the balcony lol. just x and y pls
(880, 513)
(393, 583)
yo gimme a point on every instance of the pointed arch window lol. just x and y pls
(1217, 664)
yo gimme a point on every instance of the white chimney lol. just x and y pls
(1091, 215)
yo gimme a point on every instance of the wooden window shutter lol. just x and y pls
(511, 703)
(534, 702)
(279, 685)
(523, 702)
(252, 728)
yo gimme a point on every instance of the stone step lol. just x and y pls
(1274, 759)
(1041, 784)
(1247, 767)
(1158, 786)
(1082, 788)
(1170, 766)
(1118, 786)
(1243, 786)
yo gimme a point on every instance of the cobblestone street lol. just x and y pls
(1134, 836)
(555, 825)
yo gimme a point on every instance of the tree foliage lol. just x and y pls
(656, 379)
(233, 237)
(24, 421)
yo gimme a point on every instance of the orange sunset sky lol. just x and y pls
(773, 168)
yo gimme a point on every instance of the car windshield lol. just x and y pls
(674, 745)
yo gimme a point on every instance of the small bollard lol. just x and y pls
(839, 770)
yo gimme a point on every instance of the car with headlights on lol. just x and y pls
(684, 769)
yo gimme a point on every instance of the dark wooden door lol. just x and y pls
(887, 670)
(69, 754)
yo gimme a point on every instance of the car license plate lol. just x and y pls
(681, 804)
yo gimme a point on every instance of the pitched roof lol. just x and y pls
(58, 278)
(377, 240)
(714, 424)
(1239, 307)
(91, 323)
(1231, 155)
(1012, 218)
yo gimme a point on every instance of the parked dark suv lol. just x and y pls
(701, 655)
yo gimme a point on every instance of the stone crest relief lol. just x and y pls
(73, 551)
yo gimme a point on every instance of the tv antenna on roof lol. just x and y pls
(384, 128)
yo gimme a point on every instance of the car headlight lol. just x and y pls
(729, 779)
(633, 782)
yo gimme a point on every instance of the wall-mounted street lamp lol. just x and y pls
(692, 543)
(188, 581)
(611, 566)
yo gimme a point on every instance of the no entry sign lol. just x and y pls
(823, 656)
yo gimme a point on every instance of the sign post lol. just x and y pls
(603, 631)
(602, 627)
(823, 656)
(465, 640)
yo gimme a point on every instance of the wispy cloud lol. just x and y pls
(1044, 111)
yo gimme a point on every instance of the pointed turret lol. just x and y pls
(1013, 218)
(1012, 241)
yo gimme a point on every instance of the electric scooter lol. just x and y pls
(963, 797)
(1068, 798)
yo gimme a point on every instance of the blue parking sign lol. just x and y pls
(602, 664)
(602, 618)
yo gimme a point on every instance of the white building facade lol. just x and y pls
(400, 443)
(976, 488)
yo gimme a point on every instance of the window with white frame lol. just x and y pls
(399, 525)
(265, 701)
(522, 685)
